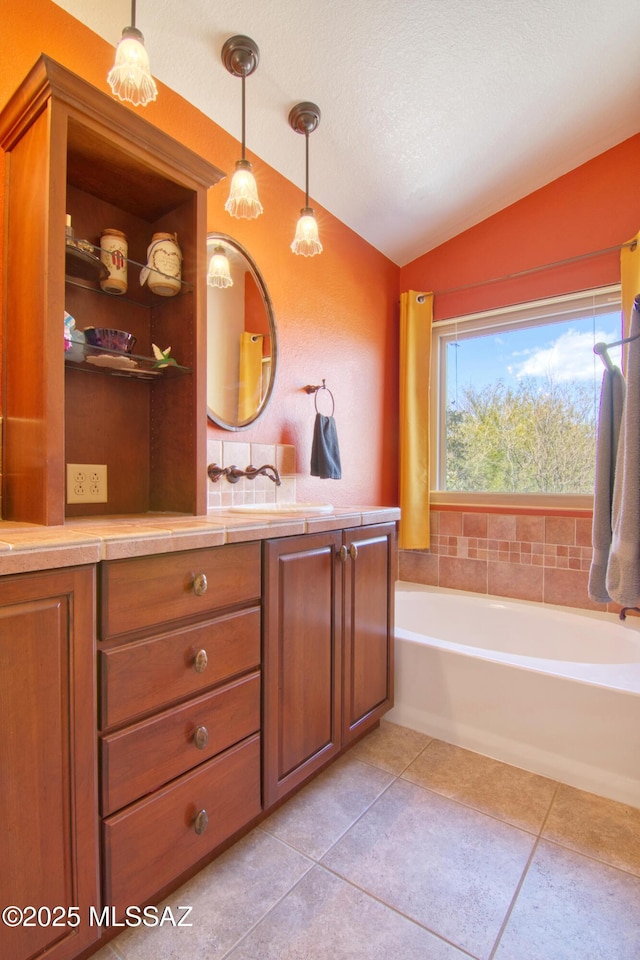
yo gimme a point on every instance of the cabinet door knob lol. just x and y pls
(201, 822)
(200, 584)
(343, 553)
(200, 661)
(201, 737)
(353, 551)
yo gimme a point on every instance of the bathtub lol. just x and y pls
(549, 689)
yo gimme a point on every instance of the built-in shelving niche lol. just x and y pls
(90, 157)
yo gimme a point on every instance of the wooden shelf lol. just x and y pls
(116, 363)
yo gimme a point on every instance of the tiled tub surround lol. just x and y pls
(526, 557)
(411, 848)
(227, 453)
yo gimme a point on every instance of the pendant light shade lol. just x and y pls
(240, 55)
(306, 242)
(243, 201)
(219, 274)
(304, 118)
(130, 77)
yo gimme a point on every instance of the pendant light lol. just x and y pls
(219, 274)
(130, 77)
(304, 118)
(240, 55)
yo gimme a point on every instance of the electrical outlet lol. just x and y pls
(86, 483)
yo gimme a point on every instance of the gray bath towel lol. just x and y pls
(325, 452)
(623, 571)
(609, 422)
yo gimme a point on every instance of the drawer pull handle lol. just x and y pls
(201, 822)
(343, 553)
(200, 662)
(353, 551)
(200, 584)
(201, 737)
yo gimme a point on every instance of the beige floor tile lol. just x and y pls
(228, 897)
(595, 826)
(450, 868)
(488, 785)
(573, 908)
(324, 918)
(321, 812)
(390, 747)
(105, 954)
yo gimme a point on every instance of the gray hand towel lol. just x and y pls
(609, 422)
(623, 571)
(325, 453)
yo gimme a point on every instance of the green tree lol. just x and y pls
(537, 437)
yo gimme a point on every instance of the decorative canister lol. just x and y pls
(164, 265)
(113, 253)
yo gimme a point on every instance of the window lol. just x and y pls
(517, 393)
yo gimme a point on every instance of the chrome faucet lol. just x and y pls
(233, 473)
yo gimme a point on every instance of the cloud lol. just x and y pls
(570, 357)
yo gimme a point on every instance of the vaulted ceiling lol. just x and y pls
(435, 113)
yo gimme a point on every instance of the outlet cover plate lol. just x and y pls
(87, 483)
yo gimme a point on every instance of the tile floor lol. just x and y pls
(408, 848)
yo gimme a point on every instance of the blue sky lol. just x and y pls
(563, 351)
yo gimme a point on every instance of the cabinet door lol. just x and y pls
(48, 809)
(369, 575)
(302, 659)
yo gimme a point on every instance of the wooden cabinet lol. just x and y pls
(367, 677)
(48, 770)
(302, 658)
(180, 712)
(73, 150)
(328, 647)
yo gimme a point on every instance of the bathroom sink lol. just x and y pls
(307, 509)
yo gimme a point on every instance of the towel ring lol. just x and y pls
(316, 389)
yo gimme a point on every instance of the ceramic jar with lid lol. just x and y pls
(163, 271)
(113, 253)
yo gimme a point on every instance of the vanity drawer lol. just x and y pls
(153, 841)
(143, 676)
(146, 592)
(147, 755)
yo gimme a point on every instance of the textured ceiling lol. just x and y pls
(435, 113)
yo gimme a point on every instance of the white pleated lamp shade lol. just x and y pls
(243, 201)
(306, 242)
(130, 78)
(219, 274)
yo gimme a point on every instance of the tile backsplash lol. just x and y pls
(526, 557)
(227, 453)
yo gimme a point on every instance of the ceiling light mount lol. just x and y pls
(240, 56)
(304, 117)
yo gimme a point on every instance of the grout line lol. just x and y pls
(400, 913)
(592, 857)
(525, 872)
(514, 899)
(313, 864)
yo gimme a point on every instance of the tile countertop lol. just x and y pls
(28, 547)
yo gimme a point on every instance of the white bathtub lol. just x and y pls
(545, 688)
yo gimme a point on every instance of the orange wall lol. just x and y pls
(335, 314)
(595, 206)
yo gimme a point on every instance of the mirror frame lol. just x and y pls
(214, 237)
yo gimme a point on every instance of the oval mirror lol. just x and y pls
(241, 336)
